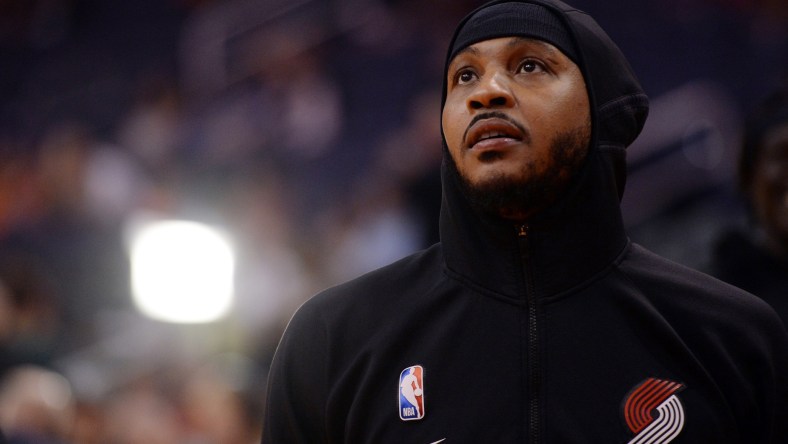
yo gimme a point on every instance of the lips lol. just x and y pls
(494, 128)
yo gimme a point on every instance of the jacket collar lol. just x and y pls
(564, 247)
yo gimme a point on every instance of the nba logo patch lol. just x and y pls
(411, 393)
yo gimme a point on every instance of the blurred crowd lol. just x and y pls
(309, 131)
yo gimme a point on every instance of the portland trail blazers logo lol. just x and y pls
(653, 411)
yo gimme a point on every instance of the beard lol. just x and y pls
(517, 197)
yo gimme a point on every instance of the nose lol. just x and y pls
(492, 91)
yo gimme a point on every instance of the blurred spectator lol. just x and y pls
(214, 402)
(114, 185)
(30, 321)
(36, 407)
(756, 258)
(309, 112)
(412, 154)
(375, 230)
(152, 129)
(272, 276)
(141, 414)
(61, 240)
(19, 200)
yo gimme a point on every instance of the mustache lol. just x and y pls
(497, 115)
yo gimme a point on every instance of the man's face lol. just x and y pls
(516, 121)
(770, 185)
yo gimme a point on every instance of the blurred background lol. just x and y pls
(178, 176)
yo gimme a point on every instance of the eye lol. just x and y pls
(464, 76)
(530, 66)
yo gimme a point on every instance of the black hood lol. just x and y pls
(582, 232)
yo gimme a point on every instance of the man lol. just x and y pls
(534, 320)
(756, 259)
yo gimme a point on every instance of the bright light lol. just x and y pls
(181, 271)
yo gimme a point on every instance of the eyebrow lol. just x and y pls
(515, 41)
(531, 41)
(467, 49)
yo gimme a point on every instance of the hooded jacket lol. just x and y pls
(558, 331)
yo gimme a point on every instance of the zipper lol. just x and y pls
(533, 364)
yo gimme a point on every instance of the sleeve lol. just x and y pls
(297, 383)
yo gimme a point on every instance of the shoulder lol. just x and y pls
(374, 292)
(737, 336)
(656, 272)
(692, 296)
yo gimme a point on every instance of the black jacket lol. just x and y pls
(561, 331)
